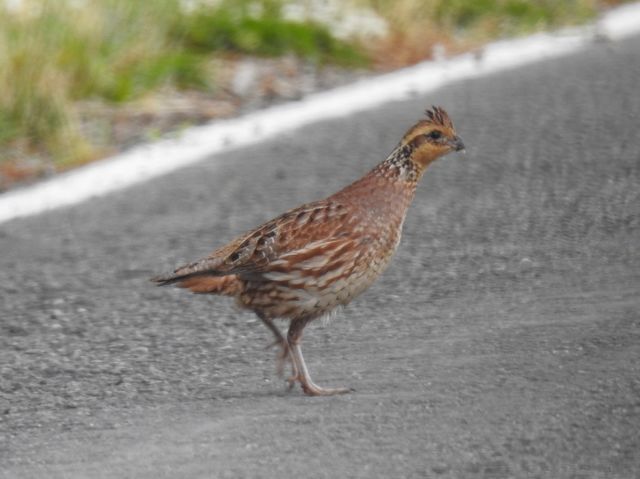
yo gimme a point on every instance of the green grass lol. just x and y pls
(54, 53)
(509, 17)
(258, 28)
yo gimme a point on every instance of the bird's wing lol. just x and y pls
(303, 236)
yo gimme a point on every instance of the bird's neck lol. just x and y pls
(389, 186)
(399, 167)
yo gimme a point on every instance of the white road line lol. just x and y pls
(149, 161)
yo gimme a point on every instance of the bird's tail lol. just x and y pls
(228, 285)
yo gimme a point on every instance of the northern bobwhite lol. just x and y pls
(308, 261)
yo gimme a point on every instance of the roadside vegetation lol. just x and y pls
(415, 26)
(59, 58)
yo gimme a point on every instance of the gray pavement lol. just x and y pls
(504, 340)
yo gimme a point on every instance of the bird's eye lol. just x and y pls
(435, 135)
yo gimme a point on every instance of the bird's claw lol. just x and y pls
(313, 390)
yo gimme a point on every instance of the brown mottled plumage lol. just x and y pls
(306, 262)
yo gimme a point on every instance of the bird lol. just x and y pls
(311, 260)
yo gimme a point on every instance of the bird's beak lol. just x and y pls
(456, 144)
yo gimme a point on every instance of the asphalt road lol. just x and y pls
(504, 340)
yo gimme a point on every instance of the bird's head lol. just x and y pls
(431, 138)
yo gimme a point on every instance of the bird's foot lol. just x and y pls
(312, 389)
(301, 375)
(318, 391)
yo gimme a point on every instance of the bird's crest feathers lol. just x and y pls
(437, 116)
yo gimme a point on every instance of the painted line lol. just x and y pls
(195, 144)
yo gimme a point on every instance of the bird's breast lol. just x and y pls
(331, 271)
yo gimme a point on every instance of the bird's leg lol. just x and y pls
(284, 353)
(294, 337)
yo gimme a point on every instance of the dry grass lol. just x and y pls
(417, 27)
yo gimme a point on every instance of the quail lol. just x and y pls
(317, 257)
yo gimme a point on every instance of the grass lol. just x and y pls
(55, 54)
(240, 27)
(415, 26)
